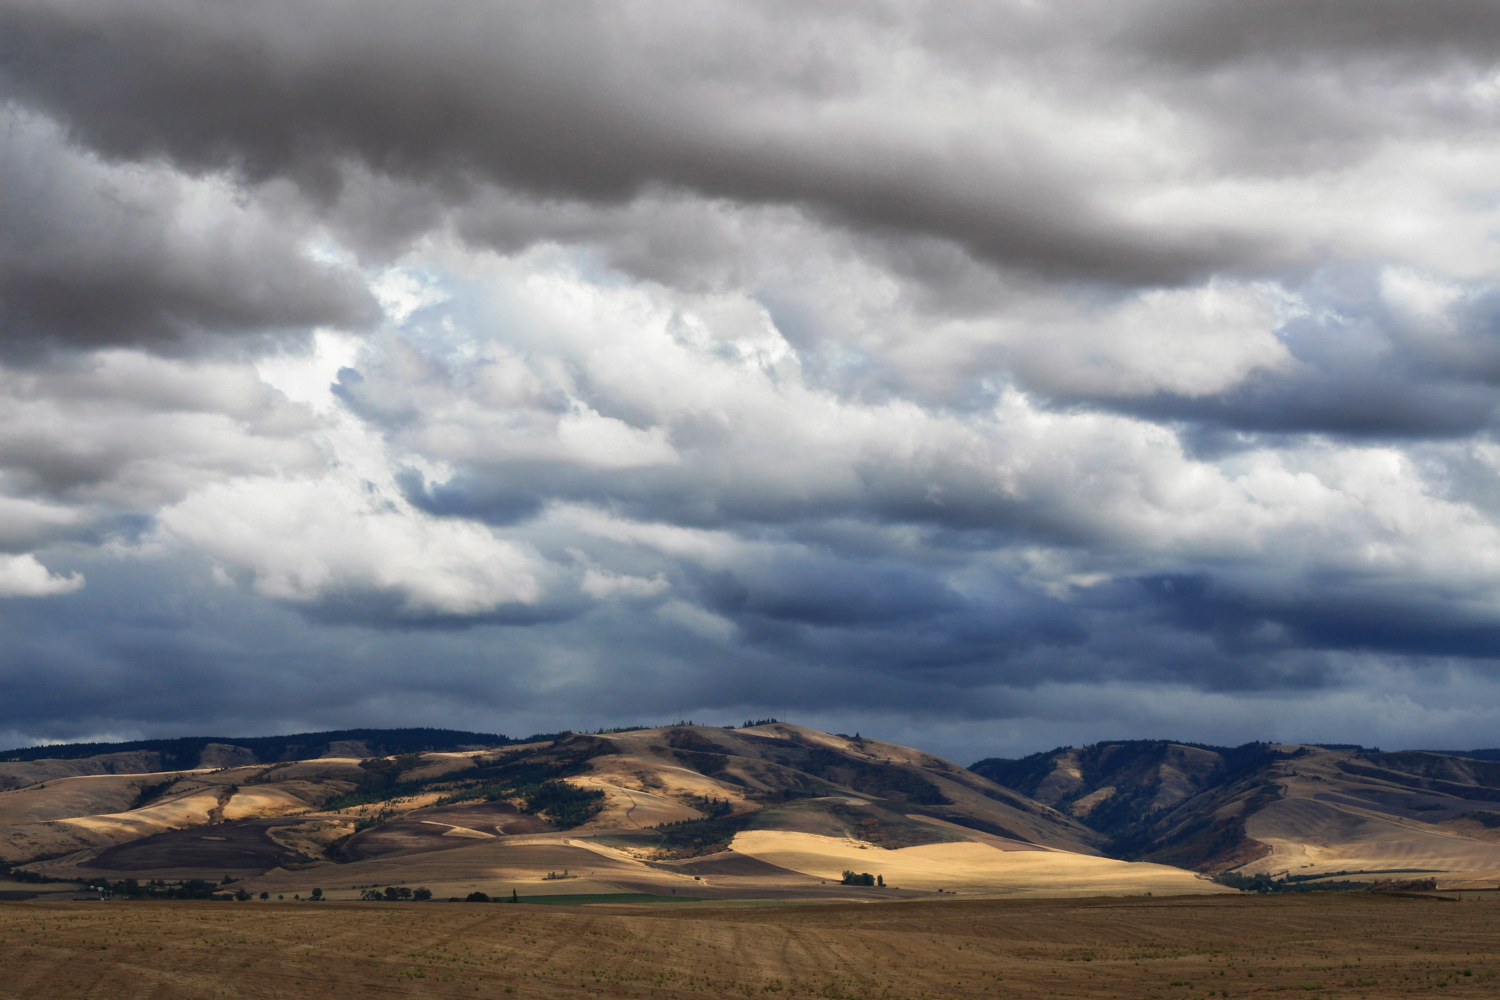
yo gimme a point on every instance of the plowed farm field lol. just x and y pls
(1334, 945)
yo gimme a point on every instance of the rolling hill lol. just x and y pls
(771, 810)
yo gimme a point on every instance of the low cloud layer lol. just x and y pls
(1003, 378)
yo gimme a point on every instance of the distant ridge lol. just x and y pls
(1472, 754)
(186, 751)
(1298, 805)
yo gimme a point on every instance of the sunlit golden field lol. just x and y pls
(1325, 945)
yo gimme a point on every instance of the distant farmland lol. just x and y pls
(1233, 946)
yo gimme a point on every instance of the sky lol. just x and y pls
(982, 377)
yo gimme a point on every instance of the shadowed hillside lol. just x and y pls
(1153, 798)
(1275, 808)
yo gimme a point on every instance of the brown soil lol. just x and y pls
(1335, 945)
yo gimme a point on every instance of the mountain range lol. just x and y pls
(766, 809)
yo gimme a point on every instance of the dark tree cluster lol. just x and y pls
(863, 878)
(1265, 884)
(689, 838)
(533, 777)
(396, 893)
(22, 875)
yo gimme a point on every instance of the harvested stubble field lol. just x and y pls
(1329, 945)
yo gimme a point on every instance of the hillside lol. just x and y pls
(770, 810)
(1174, 802)
(1276, 809)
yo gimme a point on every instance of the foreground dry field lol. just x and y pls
(1334, 945)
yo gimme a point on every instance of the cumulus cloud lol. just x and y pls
(121, 432)
(945, 365)
(305, 541)
(23, 576)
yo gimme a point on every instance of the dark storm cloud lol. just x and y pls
(916, 630)
(602, 103)
(575, 101)
(165, 651)
(95, 255)
(1214, 34)
(952, 497)
(1341, 614)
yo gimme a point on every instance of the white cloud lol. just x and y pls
(24, 576)
(312, 540)
(305, 376)
(602, 584)
(1194, 342)
(705, 624)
